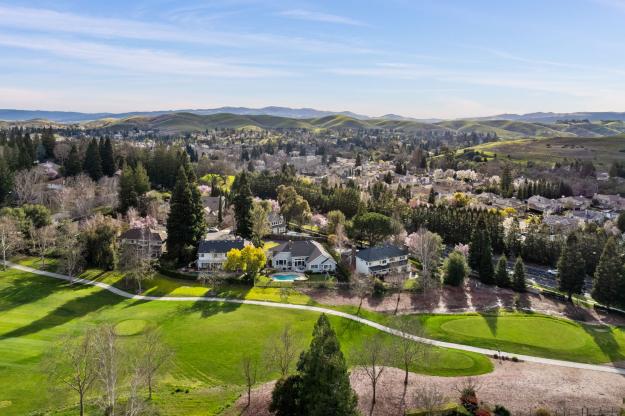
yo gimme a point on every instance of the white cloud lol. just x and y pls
(320, 17)
(135, 60)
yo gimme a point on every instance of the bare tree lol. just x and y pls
(211, 280)
(408, 351)
(427, 248)
(81, 195)
(136, 405)
(11, 238)
(429, 399)
(250, 373)
(73, 365)
(70, 249)
(135, 262)
(283, 351)
(43, 240)
(374, 354)
(362, 286)
(261, 227)
(108, 367)
(28, 186)
(396, 281)
(154, 355)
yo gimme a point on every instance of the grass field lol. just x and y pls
(530, 334)
(602, 151)
(209, 340)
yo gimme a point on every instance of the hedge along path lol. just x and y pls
(372, 324)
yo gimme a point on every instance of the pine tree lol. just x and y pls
(243, 206)
(325, 386)
(432, 197)
(486, 272)
(609, 284)
(6, 181)
(141, 180)
(108, 157)
(93, 164)
(502, 279)
(571, 268)
(128, 196)
(506, 187)
(518, 277)
(48, 141)
(180, 237)
(72, 165)
(476, 247)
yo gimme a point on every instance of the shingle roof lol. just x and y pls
(380, 252)
(219, 246)
(302, 248)
(138, 233)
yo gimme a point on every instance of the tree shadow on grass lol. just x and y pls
(75, 308)
(604, 339)
(492, 320)
(208, 309)
(28, 289)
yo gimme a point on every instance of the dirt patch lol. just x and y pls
(472, 297)
(521, 387)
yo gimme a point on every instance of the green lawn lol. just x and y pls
(531, 334)
(209, 339)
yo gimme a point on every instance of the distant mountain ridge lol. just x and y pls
(296, 113)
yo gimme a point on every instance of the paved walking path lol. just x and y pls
(383, 328)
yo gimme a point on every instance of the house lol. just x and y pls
(278, 225)
(559, 224)
(211, 208)
(211, 254)
(614, 202)
(147, 240)
(302, 256)
(542, 204)
(382, 260)
(575, 203)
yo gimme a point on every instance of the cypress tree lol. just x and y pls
(486, 271)
(128, 196)
(506, 187)
(48, 141)
(476, 247)
(180, 237)
(432, 197)
(108, 157)
(571, 268)
(325, 387)
(6, 181)
(502, 279)
(243, 206)
(93, 164)
(609, 284)
(518, 277)
(72, 165)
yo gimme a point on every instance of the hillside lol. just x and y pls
(602, 151)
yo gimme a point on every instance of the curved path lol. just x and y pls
(383, 328)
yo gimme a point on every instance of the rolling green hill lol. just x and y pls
(602, 151)
(174, 123)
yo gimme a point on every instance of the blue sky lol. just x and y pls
(419, 58)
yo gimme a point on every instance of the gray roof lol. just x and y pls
(220, 246)
(301, 248)
(380, 252)
(139, 233)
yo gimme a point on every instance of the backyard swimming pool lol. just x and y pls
(287, 277)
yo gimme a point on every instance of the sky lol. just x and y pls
(417, 58)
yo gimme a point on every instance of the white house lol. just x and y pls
(382, 260)
(278, 225)
(302, 256)
(211, 254)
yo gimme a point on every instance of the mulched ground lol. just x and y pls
(474, 296)
(521, 387)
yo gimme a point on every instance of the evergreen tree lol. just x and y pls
(108, 157)
(6, 181)
(609, 284)
(476, 247)
(571, 268)
(432, 197)
(486, 272)
(518, 277)
(141, 180)
(322, 386)
(358, 161)
(93, 164)
(72, 165)
(180, 233)
(243, 206)
(48, 142)
(502, 279)
(128, 196)
(506, 187)
(621, 221)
